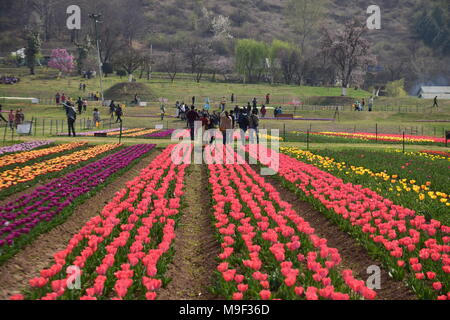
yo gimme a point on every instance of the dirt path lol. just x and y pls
(17, 271)
(354, 256)
(195, 245)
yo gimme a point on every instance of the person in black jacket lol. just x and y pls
(80, 105)
(119, 113)
(71, 117)
(243, 122)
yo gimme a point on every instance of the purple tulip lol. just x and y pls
(160, 134)
(23, 215)
(26, 146)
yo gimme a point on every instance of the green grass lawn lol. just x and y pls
(45, 84)
(390, 114)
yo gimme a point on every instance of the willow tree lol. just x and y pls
(251, 58)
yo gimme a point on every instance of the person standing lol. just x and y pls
(80, 105)
(63, 98)
(85, 103)
(232, 98)
(96, 118)
(84, 87)
(255, 110)
(17, 118)
(193, 100)
(255, 103)
(370, 103)
(363, 104)
(112, 109)
(57, 98)
(71, 114)
(254, 125)
(226, 125)
(243, 124)
(435, 102)
(223, 104)
(191, 117)
(119, 113)
(263, 111)
(163, 111)
(268, 98)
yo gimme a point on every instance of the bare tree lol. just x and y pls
(289, 64)
(129, 60)
(44, 9)
(348, 50)
(171, 64)
(304, 17)
(198, 55)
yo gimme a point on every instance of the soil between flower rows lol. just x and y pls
(25, 265)
(353, 255)
(195, 245)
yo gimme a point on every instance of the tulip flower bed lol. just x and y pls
(384, 137)
(122, 253)
(437, 153)
(26, 146)
(92, 133)
(13, 159)
(124, 132)
(160, 134)
(401, 188)
(269, 251)
(14, 177)
(409, 245)
(140, 133)
(35, 213)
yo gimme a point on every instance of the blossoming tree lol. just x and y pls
(61, 60)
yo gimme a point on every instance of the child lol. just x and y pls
(96, 116)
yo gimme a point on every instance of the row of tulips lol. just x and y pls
(408, 244)
(141, 133)
(92, 133)
(48, 205)
(397, 187)
(268, 250)
(23, 157)
(26, 146)
(160, 134)
(383, 137)
(123, 252)
(441, 154)
(125, 132)
(9, 178)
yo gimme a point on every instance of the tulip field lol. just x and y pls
(108, 221)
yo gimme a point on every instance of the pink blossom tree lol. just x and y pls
(61, 60)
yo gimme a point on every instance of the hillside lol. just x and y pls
(164, 25)
(258, 19)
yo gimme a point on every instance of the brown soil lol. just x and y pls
(195, 245)
(354, 256)
(17, 271)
